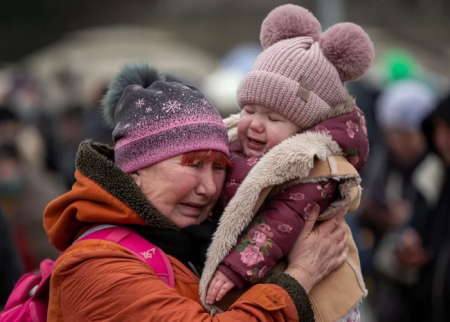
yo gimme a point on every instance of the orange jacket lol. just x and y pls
(99, 280)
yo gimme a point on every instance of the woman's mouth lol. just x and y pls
(192, 209)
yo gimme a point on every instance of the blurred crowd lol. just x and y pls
(402, 227)
(37, 153)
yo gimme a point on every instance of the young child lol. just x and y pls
(296, 86)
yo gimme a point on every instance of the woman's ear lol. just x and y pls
(137, 178)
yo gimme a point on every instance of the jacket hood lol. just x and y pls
(102, 193)
(349, 131)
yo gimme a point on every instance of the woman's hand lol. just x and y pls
(318, 252)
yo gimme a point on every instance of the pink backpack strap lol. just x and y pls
(139, 246)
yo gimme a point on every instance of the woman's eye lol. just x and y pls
(219, 168)
(195, 165)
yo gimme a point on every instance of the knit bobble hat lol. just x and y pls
(301, 72)
(154, 120)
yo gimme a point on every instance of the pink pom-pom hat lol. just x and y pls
(301, 72)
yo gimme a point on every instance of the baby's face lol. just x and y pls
(261, 128)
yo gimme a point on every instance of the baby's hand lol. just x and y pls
(219, 286)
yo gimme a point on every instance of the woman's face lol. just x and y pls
(185, 194)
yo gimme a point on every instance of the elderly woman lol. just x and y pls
(165, 174)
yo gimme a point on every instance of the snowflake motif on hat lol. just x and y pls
(148, 109)
(171, 106)
(205, 101)
(159, 92)
(136, 87)
(140, 103)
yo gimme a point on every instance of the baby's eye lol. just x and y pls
(250, 111)
(273, 119)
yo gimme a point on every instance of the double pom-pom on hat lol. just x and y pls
(346, 45)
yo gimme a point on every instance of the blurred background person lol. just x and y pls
(397, 189)
(9, 125)
(69, 126)
(92, 125)
(425, 246)
(24, 194)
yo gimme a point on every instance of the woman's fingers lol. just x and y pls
(316, 254)
(342, 244)
(338, 233)
(310, 221)
(329, 226)
(341, 212)
(342, 257)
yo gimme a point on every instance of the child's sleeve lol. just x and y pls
(274, 231)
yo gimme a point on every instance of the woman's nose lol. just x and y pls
(207, 185)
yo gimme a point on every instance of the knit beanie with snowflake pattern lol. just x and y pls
(301, 71)
(154, 120)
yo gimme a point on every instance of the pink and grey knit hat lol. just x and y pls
(154, 120)
(301, 72)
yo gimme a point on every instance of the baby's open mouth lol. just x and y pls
(256, 141)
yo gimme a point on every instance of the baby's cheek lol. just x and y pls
(275, 139)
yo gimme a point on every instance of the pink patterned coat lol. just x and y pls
(277, 225)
